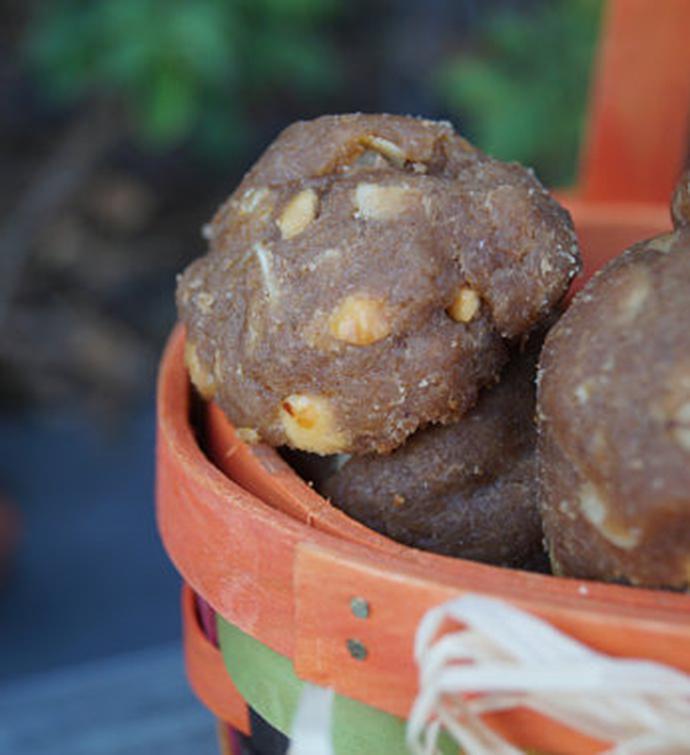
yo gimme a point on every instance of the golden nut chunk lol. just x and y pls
(360, 321)
(633, 296)
(375, 202)
(371, 159)
(465, 305)
(595, 509)
(384, 147)
(201, 379)
(248, 435)
(310, 424)
(298, 213)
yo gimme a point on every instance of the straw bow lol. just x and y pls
(502, 658)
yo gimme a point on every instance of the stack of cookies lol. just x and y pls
(376, 292)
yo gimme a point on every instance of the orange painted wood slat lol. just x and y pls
(261, 471)
(605, 229)
(640, 104)
(230, 547)
(288, 584)
(327, 580)
(206, 670)
(388, 676)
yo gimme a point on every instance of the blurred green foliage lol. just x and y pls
(522, 91)
(203, 72)
(184, 69)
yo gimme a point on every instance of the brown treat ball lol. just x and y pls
(614, 422)
(362, 280)
(467, 489)
(680, 204)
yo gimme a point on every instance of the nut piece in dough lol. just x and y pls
(201, 379)
(248, 435)
(375, 202)
(360, 321)
(298, 213)
(386, 148)
(310, 423)
(465, 305)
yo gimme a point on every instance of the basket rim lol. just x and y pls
(289, 584)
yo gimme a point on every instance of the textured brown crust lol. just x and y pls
(467, 489)
(680, 204)
(614, 422)
(362, 281)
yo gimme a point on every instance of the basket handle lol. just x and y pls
(639, 112)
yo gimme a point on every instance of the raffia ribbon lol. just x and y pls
(503, 658)
(311, 729)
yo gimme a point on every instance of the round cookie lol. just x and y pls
(614, 422)
(467, 489)
(362, 281)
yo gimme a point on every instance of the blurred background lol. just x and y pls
(123, 125)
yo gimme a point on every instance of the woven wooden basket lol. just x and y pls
(281, 566)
